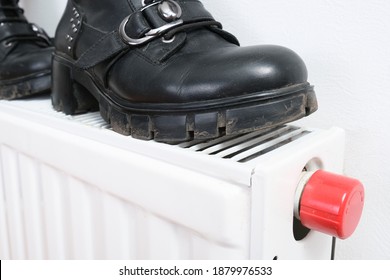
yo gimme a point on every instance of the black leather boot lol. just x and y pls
(167, 70)
(25, 54)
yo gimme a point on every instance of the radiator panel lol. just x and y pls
(71, 188)
(52, 215)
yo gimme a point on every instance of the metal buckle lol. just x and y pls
(151, 34)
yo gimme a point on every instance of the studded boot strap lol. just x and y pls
(144, 26)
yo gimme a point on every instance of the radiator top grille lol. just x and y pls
(243, 148)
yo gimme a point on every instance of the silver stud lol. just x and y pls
(78, 22)
(69, 48)
(72, 20)
(74, 9)
(75, 30)
(67, 36)
(70, 39)
(77, 15)
(169, 10)
(73, 25)
(167, 41)
(34, 28)
(7, 44)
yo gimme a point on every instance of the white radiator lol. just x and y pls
(70, 188)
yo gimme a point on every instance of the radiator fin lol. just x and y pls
(48, 214)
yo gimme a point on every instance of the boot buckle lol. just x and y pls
(164, 9)
(153, 33)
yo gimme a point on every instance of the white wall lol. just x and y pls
(346, 46)
(44, 13)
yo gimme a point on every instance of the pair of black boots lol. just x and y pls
(156, 69)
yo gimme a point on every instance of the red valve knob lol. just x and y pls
(331, 204)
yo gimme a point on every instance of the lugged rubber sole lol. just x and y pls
(74, 91)
(34, 84)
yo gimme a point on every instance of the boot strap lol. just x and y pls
(147, 24)
(14, 31)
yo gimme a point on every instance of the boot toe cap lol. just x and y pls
(218, 74)
(236, 71)
(26, 64)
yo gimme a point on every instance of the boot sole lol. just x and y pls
(37, 83)
(74, 91)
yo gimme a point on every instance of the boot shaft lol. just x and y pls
(92, 19)
(10, 11)
(103, 15)
(86, 23)
(9, 2)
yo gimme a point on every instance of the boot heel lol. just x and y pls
(67, 95)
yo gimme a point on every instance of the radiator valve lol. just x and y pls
(329, 203)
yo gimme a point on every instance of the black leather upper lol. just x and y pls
(201, 63)
(25, 49)
(225, 72)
